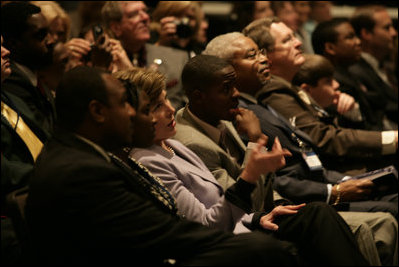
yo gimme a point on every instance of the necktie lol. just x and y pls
(22, 129)
(151, 183)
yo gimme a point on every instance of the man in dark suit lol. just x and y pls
(26, 36)
(373, 25)
(129, 22)
(27, 111)
(86, 206)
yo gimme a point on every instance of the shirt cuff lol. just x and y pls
(239, 194)
(329, 189)
(388, 142)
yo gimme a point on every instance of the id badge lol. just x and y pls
(312, 160)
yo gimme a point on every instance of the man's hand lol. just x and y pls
(167, 33)
(248, 123)
(345, 103)
(267, 221)
(262, 162)
(353, 190)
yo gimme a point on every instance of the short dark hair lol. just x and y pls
(200, 72)
(14, 18)
(314, 68)
(363, 18)
(76, 89)
(325, 33)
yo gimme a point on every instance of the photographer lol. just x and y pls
(95, 48)
(177, 24)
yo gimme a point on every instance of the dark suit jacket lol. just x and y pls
(342, 149)
(295, 181)
(38, 107)
(37, 111)
(83, 209)
(380, 93)
(371, 106)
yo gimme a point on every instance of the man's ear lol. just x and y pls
(97, 111)
(329, 48)
(365, 34)
(306, 87)
(116, 29)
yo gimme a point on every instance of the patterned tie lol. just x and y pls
(151, 183)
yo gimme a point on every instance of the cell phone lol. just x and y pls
(98, 33)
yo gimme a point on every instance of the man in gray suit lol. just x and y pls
(128, 21)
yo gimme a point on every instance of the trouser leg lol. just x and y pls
(322, 236)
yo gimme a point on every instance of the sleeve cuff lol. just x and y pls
(239, 194)
(388, 142)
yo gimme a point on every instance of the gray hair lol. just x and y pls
(221, 47)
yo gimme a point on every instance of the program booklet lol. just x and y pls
(385, 180)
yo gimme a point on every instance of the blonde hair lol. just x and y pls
(152, 82)
(176, 9)
(52, 10)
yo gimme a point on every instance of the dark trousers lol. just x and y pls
(321, 236)
(250, 249)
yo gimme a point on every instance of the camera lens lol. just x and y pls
(183, 29)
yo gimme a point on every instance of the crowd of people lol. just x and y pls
(139, 141)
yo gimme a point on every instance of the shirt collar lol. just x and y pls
(212, 132)
(95, 146)
(32, 77)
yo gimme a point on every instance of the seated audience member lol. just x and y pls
(297, 181)
(244, 12)
(26, 36)
(59, 25)
(176, 24)
(347, 150)
(337, 41)
(198, 195)
(315, 78)
(105, 52)
(10, 246)
(99, 210)
(209, 84)
(286, 11)
(319, 11)
(373, 25)
(128, 21)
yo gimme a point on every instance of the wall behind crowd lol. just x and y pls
(219, 13)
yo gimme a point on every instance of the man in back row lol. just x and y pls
(128, 21)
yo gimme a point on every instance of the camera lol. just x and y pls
(97, 34)
(183, 28)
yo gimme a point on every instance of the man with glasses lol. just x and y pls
(129, 22)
